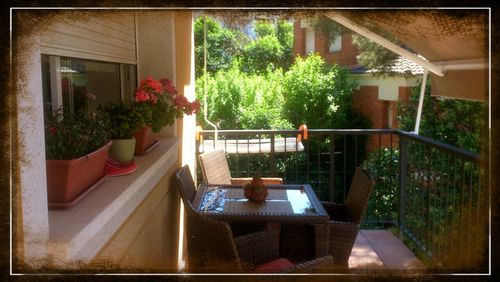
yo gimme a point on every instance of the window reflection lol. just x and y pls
(84, 83)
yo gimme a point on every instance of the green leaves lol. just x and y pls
(457, 122)
(238, 100)
(223, 45)
(314, 93)
(309, 93)
(263, 53)
(72, 136)
(124, 118)
(271, 49)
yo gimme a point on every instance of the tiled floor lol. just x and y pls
(382, 250)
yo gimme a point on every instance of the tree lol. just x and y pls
(263, 53)
(237, 100)
(457, 122)
(314, 92)
(271, 49)
(284, 33)
(223, 45)
(264, 28)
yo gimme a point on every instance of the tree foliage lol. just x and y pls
(456, 122)
(264, 28)
(237, 100)
(271, 49)
(374, 56)
(223, 45)
(314, 92)
(261, 54)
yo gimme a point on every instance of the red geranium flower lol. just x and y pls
(160, 109)
(152, 84)
(141, 96)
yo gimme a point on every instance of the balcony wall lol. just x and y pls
(129, 221)
(148, 240)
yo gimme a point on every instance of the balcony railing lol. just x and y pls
(434, 194)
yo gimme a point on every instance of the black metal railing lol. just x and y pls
(433, 193)
(443, 202)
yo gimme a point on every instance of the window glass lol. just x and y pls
(335, 45)
(84, 83)
(88, 83)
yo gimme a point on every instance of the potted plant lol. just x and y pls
(124, 120)
(160, 105)
(76, 147)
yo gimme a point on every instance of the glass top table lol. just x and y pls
(284, 203)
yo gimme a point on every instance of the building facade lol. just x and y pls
(377, 96)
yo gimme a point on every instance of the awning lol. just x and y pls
(453, 40)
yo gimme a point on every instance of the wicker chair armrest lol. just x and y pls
(322, 264)
(257, 248)
(241, 181)
(266, 180)
(272, 180)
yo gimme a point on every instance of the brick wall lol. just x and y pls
(365, 100)
(299, 42)
(347, 54)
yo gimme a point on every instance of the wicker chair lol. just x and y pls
(216, 170)
(345, 218)
(185, 183)
(211, 246)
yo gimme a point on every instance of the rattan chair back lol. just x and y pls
(210, 244)
(358, 195)
(215, 168)
(185, 183)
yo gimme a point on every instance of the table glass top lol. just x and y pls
(289, 200)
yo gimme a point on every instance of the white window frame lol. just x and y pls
(310, 41)
(336, 45)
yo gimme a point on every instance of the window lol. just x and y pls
(335, 45)
(310, 38)
(73, 83)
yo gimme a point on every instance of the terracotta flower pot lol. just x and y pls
(256, 190)
(122, 150)
(68, 180)
(145, 140)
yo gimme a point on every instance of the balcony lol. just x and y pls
(429, 197)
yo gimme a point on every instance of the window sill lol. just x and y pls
(77, 234)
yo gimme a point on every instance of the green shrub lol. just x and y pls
(124, 119)
(383, 203)
(236, 100)
(262, 54)
(456, 122)
(314, 93)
